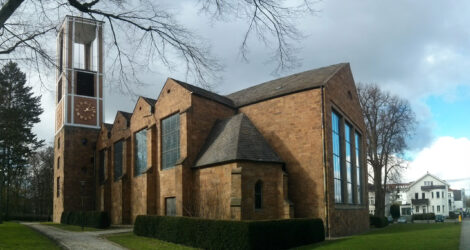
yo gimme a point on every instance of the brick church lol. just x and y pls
(289, 148)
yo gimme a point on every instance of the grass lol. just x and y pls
(132, 241)
(72, 228)
(16, 236)
(400, 236)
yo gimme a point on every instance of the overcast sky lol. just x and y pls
(419, 50)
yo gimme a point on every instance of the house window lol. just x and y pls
(442, 194)
(432, 209)
(58, 186)
(101, 170)
(424, 209)
(337, 158)
(417, 209)
(59, 91)
(438, 209)
(422, 196)
(170, 141)
(117, 160)
(58, 162)
(61, 51)
(170, 206)
(349, 170)
(358, 144)
(58, 142)
(140, 146)
(258, 194)
(437, 194)
(416, 195)
(432, 195)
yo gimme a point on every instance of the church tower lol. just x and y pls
(79, 113)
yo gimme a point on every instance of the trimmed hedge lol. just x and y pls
(97, 219)
(428, 216)
(378, 221)
(223, 234)
(29, 217)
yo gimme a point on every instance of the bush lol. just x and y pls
(428, 216)
(395, 211)
(378, 221)
(453, 215)
(221, 234)
(29, 217)
(97, 219)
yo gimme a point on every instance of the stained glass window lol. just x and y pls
(170, 141)
(140, 152)
(337, 158)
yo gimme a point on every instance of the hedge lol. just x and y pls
(428, 216)
(453, 215)
(29, 217)
(97, 219)
(378, 221)
(222, 234)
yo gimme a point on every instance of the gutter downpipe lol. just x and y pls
(325, 170)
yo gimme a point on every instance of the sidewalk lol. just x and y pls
(79, 240)
(465, 235)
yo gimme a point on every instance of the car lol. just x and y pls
(402, 220)
(439, 218)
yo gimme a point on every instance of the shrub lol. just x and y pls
(97, 219)
(428, 216)
(378, 221)
(29, 217)
(453, 215)
(395, 211)
(221, 234)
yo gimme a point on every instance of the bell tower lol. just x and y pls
(79, 113)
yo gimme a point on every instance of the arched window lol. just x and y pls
(258, 194)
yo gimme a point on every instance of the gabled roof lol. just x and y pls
(428, 174)
(150, 101)
(235, 138)
(126, 115)
(287, 85)
(205, 93)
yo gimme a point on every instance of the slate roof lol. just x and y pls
(206, 94)
(150, 101)
(287, 85)
(235, 138)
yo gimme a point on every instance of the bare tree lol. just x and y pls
(389, 122)
(143, 31)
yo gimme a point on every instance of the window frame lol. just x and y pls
(166, 134)
(337, 173)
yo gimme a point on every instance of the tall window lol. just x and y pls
(58, 162)
(438, 208)
(423, 196)
(101, 170)
(416, 195)
(59, 91)
(258, 195)
(358, 144)
(117, 160)
(58, 186)
(437, 194)
(337, 158)
(349, 170)
(170, 206)
(140, 152)
(170, 141)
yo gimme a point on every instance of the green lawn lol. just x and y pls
(131, 241)
(400, 236)
(17, 236)
(72, 228)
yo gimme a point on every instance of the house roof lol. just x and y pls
(235, 138)
(428, 174)
(205, 93)
(286, 85)
(126, 115)
(150, 101)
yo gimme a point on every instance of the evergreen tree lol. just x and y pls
(19, 111)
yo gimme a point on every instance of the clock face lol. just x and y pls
(85, 110)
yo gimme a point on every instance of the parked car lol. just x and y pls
(402, 220)
(439, 218)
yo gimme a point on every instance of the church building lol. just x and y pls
(293, 147)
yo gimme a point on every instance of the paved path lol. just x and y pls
(465, 235)
(79, 240)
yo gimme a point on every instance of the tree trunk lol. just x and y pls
(379, 194)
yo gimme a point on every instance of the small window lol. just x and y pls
(417, 209)
(140, 145)
(437, 194)
(170, 206)
(259, 195)
(58, 186)
(58, 162)
(416, 195)
(85, 84)
(432, 195)
(438, 209)
(101, 170)
(58, 142)
(423, 196)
